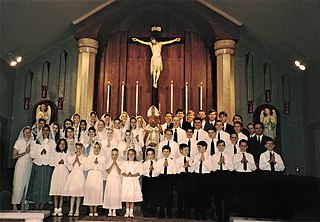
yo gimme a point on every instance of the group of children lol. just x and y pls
(92, 164)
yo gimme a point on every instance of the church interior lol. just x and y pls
(241, 57)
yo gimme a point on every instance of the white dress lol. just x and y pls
(22, 171)
(59, 175)
(131, 189)
(74, 186)
(112, 193)
(93, 189)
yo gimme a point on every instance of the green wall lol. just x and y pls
(293, 149)
(21, 117)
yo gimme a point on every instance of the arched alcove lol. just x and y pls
(257, 118)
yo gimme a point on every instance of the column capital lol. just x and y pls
(226, 46)
(88, 45)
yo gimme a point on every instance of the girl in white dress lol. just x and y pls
(22, 170)
(88, 141)
(74, 186)
(59, 175)
(93, 190)
(71, 141)
(125, 145)
(131, 189)
(112, 193)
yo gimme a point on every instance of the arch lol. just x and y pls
(256, 118)
(54, 110)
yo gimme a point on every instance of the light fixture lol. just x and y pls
(300, 65)
(13, 60)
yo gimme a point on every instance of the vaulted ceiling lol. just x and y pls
(286, 29)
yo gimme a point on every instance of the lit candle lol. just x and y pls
(171, 97)
(122, 97)
(137, 97)
(108, 97)
(186, 97)
(201, 88)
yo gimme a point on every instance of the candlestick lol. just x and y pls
(122, 97)
(108, 97)
(171, 97)
(186, 97)
(201, 88)
(137, 97)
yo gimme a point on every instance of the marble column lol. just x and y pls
(87, 49)
(224, 51)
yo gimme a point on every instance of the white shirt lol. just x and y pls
(171, 168)
(241, 136)
(180, 163)
(193, 149)
(36, 149)
(227, 159)
(174, 149)
(206, 164)
(238, 166)
(265, 165)
(181, 134)
(209, 140)
(146, 168)
(223, 136)
(202, 135)
(230, 148)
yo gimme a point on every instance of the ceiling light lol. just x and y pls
(13, 60)
(302, 67)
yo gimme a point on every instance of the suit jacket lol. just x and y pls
(208, 126)
(229, 129)
(256, 148)
(186, 125)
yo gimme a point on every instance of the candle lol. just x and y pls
(159, 107)
(201, 88)
(171, 97)
(137, 97)
(186, 97)
(108, 97)
(122, 97)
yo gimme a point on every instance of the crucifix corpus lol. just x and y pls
(156, 59)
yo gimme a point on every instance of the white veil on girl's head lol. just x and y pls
(21, 137)
(143, 122)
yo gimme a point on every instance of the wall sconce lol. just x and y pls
(27, 89)
(45, 78)
(250, 81)
(13, 60)
(267, 82)
(61, 92)
(286, 94)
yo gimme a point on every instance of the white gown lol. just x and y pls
(59, 175)
(74, 186)
(22, 171)
(112, 193)
(131, 189)
(93, 189)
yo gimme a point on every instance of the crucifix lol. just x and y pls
(156, 64)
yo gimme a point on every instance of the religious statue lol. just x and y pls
(269, 119)
(43, 112)
(156, 60)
